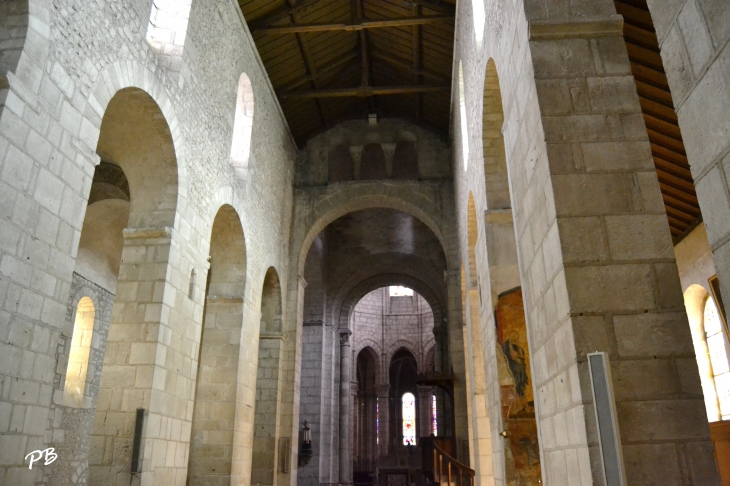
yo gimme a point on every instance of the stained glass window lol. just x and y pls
(377, 422)
(718, 345)
(409, 419)
(434, 419)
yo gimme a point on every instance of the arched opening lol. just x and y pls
(479, 18)
(242, 127)
(481, 438)
(463, 119)
(520, 449)
(718, 346)
(135, 188)
(167, 30)
(404, 424)
(78, 357)
(267, 449)
(365, 420)
(214, 413)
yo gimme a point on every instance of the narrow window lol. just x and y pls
(242, 127)
(78, 358)
(718, 345)
(434, 417)
(167, 30)
(477, 11)
(409, 419)
(462, 114)
(191, 285)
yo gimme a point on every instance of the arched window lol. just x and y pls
(462, 114)
(477, 11)
(167, 30)
(399, 291)
(409, 419)
(242, 127)
(718, 346)
(78, 358)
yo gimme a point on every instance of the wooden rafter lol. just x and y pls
(364, 91)
(280, 14)
(416, 43)
(405, 65)
(367, 24)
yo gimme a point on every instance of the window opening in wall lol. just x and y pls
(78, 358)
(242, 127)
(477, 11)
(409, 419)
(399, 291)
(434, 419)
(167, 30)
(718, 345)
(191, 285)
(462, 113)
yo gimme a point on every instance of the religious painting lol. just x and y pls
(522, 454)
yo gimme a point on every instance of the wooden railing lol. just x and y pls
(439, 467)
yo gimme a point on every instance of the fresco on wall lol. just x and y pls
(522, 455)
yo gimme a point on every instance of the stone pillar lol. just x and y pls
(383, 392)
(345, 400)
(424, 410)
(597, 261)
(438, 359)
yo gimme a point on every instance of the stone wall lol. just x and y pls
(76, 57)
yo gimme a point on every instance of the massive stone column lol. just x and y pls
(383, 392)
(424, 410)
(345, 399)
(596, 259)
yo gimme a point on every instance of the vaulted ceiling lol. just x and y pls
(335, 60)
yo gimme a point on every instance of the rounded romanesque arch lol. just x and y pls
(128, 75)
(364, 287)
(342, 200)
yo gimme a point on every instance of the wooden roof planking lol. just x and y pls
(334, 60)
(670, 158)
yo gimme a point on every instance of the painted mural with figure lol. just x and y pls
(522, 455)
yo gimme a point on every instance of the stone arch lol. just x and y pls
(130, 74)
(495, 157)
(401, 345)
(481, 439)
(268, 387)
(214, 410)
(343, 202)
(355, 293)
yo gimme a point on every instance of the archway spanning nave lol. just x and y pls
(279, 242)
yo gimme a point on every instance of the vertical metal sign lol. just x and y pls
(608, 433)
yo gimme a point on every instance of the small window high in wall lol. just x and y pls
(167, 30)
(242, 127)
(78, 358)
(399, 291)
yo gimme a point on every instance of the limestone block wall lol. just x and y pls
(693, 39)
(579, 164)
(75, 58)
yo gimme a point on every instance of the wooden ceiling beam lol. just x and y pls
(417, 46)
(331, 66)
(366, 24)
(279, 14)
(405, 65)
(364, 91)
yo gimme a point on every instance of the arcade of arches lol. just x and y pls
(334, 242)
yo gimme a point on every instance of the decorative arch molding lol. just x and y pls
(123, 74)
(364, 287)
(405, 345)
(339, 200)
